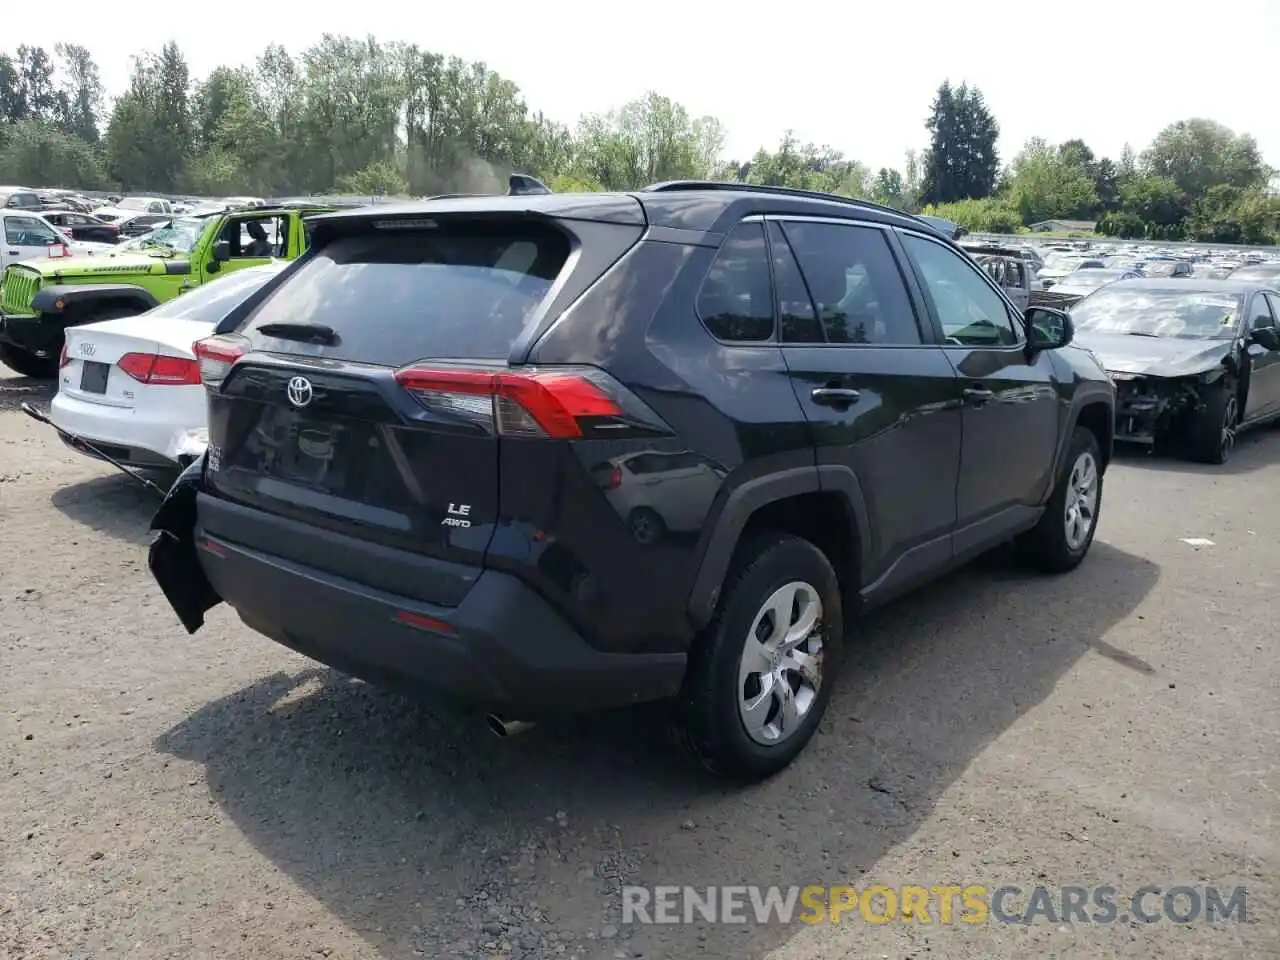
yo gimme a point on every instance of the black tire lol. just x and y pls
(1046, 545)
(1212, 434)
(646, 526)
(709, 720)
(27, 363)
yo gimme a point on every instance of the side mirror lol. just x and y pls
(222, 251)
(1048, 329)
(1266, 337)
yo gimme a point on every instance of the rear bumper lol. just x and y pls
(502, 647)
(129, 436)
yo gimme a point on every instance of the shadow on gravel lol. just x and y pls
(399, 818)
(1256, 449)
(114, 505)
(15, 390)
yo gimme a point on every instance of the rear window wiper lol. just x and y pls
(304, 332)
(1141, 333)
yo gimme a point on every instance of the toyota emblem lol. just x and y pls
(300, 391)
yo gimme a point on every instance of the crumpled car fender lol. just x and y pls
(172, 556)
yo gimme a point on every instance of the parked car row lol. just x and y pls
(549, 453)
(41, 298)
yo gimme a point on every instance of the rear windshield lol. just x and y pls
(461, 291)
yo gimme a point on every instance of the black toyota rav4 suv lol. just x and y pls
(556, 453)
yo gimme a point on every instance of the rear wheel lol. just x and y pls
(1212, 436)
(27, 363)
(761, 674)
(646, 526)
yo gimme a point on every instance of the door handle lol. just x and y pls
(13, 253)
(978, 395)
(834, 396)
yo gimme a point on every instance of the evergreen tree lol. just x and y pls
(961, 162)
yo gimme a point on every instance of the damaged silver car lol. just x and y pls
(1194, 361)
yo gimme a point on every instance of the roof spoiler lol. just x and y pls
(523, 185)
(948, 228)
(518, 185)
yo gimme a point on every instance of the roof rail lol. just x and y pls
(674, 185)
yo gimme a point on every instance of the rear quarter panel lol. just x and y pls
(732, 404)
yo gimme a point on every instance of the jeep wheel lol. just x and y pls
(1212, 437)
(761, 674)
(27, 363)
(1065, 532)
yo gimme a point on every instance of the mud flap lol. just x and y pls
(172, 557)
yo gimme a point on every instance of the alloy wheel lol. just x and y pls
(1082, 501)
(780, 672)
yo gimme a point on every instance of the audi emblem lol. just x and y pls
(300, 392)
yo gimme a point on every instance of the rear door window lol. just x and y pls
(854, 282)
(736, 299)
(464, 291)
(797, 317)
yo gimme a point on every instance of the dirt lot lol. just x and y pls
(217, 796)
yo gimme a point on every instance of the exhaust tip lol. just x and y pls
(505, 728)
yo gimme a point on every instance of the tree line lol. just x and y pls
(363, 117)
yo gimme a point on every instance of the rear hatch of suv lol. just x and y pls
(357, 414)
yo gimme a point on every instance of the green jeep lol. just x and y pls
(39, 299)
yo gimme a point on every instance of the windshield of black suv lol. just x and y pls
(1194, 314)
(460, 291)
(180, 236)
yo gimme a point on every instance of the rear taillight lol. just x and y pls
(541, 403)
(153, 368)
(63, 358)
(615, 477)
(217, 355)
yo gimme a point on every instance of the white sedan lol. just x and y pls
(131, 387)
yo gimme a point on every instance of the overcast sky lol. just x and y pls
(856, 75)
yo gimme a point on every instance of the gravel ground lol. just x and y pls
(166, 796)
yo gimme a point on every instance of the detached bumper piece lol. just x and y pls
(1148, 408)
(172, 557)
